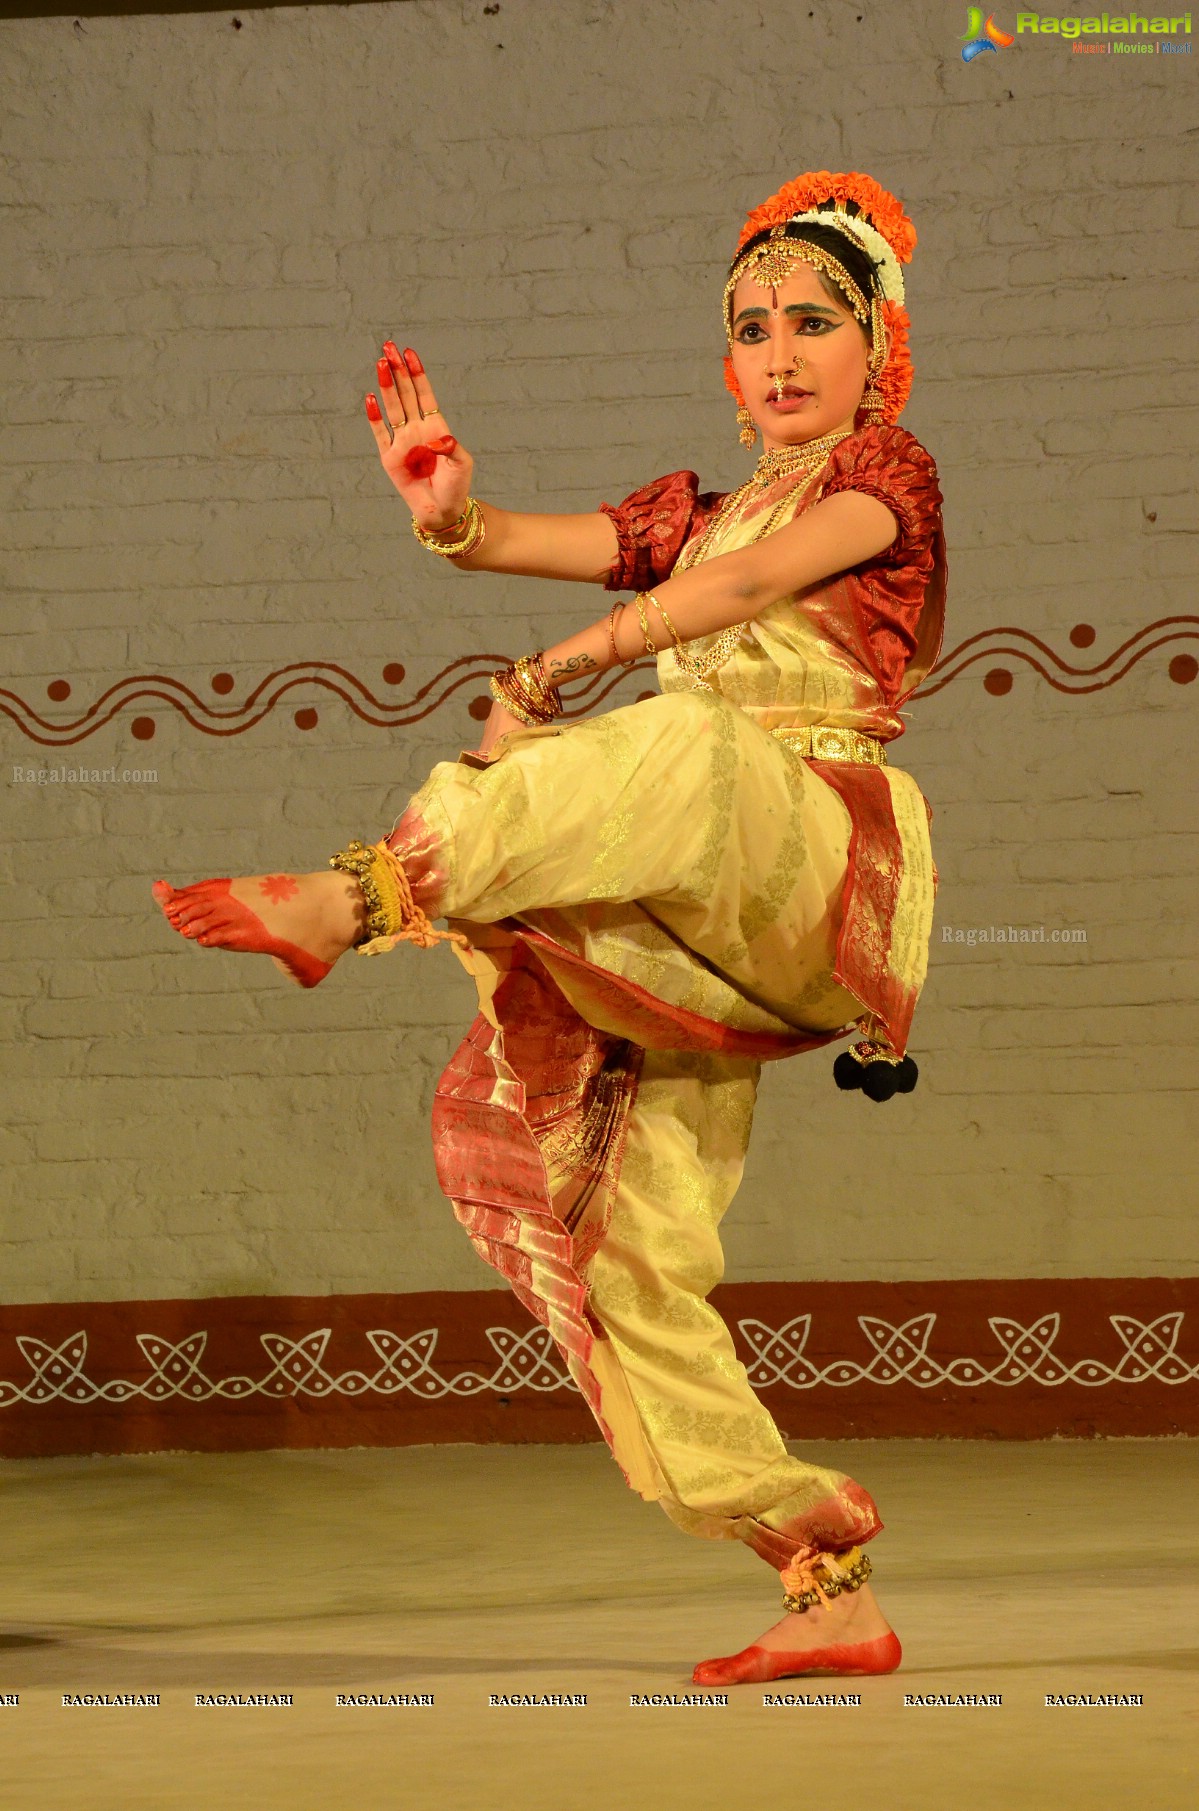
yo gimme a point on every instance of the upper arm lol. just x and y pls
(631, 545)
(833, 535)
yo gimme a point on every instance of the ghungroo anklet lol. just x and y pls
(392, 915)
(826, 1575)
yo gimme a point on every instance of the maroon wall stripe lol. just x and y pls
(1013, 1359)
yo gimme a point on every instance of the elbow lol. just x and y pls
(752, 596)
(752, 591)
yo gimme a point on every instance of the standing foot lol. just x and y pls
(303, 922)
(847, 1636)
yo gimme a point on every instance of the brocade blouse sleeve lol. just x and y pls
(653, 525)
(887, 462)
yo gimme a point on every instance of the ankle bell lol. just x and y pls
(823, 1576)
(392, 915)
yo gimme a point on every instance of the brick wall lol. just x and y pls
(207, 231)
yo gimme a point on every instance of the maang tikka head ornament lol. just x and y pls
(869, 218)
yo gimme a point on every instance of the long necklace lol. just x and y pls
(780, 462)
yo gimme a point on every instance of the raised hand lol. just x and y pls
(426, 464)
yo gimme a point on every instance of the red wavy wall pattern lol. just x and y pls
(996, 651)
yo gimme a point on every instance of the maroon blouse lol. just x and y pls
(898, 602)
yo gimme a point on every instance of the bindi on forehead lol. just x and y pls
(753, 295)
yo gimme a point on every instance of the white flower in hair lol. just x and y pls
(890, 276)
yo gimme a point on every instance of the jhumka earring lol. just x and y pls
(745, 422)
(873, 401)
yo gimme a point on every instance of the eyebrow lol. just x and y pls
(763, 314)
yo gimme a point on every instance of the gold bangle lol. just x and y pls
(639, 600)
(525, 692)
(530, 674)
(616, 660)
(685, 662)
(459, 538)
(499, 691)
(670, 628)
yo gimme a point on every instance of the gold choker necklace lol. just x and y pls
(789, 461)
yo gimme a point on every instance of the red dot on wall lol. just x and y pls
(642, 696)
(1183, 669)
(997, 682)
(142, 728)
(58, 689)
(393, 673)
(222, 682)
(306, 718)
(480, 709)
(1082, 635)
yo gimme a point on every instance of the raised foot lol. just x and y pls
(299, 928)
(758, 1665)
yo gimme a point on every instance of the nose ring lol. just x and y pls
(780, 379)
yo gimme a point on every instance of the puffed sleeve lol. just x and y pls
(887, 462)
(653, 525)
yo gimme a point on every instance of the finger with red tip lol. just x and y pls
(372, 406)
(393, 401)
(443, 446)
(423, 388)
(402, 378)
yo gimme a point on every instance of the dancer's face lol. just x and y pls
(772, 329)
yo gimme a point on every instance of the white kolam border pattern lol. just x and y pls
(530, 1361)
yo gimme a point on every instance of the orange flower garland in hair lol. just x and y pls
(886, 215)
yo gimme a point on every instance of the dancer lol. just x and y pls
(654, 900)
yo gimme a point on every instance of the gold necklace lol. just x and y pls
(785, 461)
(781, 462)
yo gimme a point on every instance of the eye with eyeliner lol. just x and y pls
(807, 320)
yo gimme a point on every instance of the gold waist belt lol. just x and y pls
(818, 742)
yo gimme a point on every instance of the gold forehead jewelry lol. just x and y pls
(772, 262)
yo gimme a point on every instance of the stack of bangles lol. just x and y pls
(525, 692)
(458, 538)
(527, 695)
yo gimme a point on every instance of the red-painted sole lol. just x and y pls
(758, 1666)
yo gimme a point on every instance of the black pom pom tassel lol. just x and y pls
(863, 1067)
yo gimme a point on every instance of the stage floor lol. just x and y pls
(1014, 1569)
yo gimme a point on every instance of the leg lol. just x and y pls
(692, 1433)
(678, 809)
